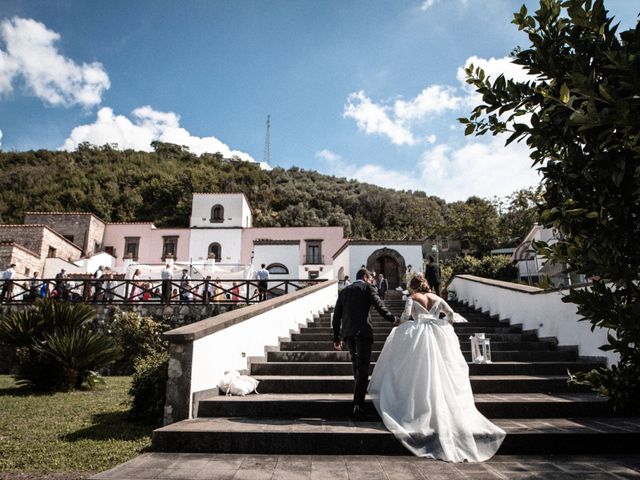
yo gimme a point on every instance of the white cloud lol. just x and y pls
(373, 118)
(484, 169)
(398, 120)
(477, 168)
(0, 139)
(330, 158)
(434, 100)
(427, 4)
(148, 125)
(402, 120)
(31, 55)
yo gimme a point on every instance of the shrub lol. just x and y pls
(55, 346)
(137, 336)
(497, 267)
(148, 388)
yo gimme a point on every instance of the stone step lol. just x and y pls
(335, 356)
(479, 384)
(469, 328)
(327, 344)
(384, 324)
(499, 368)
(381, 335)
(335, 437)
(330, 355)
(338, 405)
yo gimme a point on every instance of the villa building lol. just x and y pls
(220, 241)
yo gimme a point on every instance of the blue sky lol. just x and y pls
(364, 89)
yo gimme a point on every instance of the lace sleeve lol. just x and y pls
(408, 307)
(452, 316)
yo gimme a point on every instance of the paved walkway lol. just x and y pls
(314, 467)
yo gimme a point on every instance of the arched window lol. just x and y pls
(278, 269)
(217, 214)
(215, 251)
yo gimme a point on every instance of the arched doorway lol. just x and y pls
(389, 263)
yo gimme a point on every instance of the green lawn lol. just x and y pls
(84, 431)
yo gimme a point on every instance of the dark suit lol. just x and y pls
(352, 323)
(432, 275)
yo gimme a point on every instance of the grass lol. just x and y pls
(80, 431)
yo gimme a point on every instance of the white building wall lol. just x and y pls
(236, 210)
(342, 262)
(230, 241)
(287, 255)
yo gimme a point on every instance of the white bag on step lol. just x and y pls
(235, 384)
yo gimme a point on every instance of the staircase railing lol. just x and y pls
(535, 309)
(228, 292)
(200, 353)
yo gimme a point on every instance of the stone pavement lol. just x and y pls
(370, 467)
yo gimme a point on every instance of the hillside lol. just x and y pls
(139, 186)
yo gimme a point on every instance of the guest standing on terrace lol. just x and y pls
(167, 277)
(262, 276)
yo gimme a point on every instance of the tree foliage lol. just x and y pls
(582, 106)
(123, 186)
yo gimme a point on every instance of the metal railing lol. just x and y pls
(177, 291)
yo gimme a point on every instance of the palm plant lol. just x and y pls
(56, 347)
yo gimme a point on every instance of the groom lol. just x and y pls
(352, 324)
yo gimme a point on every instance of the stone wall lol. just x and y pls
(83, 229)
(26, 261)
(29, 236)
(179, 314)
(64, 249)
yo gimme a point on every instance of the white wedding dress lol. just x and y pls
(420, 387)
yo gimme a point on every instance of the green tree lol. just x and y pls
(583, 104)
(520, 213)
(475, 221)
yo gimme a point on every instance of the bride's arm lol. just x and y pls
(408, 307)
(452, 316)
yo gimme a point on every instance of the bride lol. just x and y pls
(420, 385)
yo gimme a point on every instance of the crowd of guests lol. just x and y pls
(106, 286)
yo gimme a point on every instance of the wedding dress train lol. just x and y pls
(420, 387)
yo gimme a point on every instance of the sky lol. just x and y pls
(363, 89)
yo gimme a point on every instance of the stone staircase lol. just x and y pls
(306, 391)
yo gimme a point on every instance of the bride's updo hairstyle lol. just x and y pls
(419, 284)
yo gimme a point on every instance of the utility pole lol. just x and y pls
(267, 143)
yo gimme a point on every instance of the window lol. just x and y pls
(217, 214)
(110, 250)
(51, 253)
(314, 252)
(215, 251)
(169, 247)
(131, 246)
(444, 244)
(278, 269)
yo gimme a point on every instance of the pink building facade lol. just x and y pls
(145, 243)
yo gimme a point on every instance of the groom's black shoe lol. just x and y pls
(359, 414)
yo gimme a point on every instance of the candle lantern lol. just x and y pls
(480, 348)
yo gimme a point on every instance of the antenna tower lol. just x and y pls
(267, 143)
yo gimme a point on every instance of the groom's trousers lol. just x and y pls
(360, 350)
